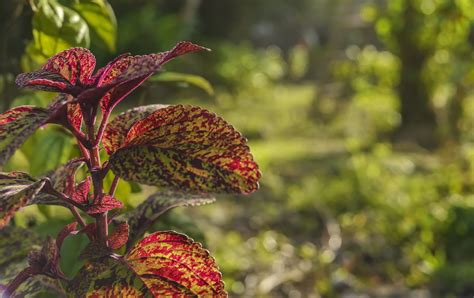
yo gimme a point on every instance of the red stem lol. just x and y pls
(96, 173)
(114, 185)
(77, 216)
(103, 125)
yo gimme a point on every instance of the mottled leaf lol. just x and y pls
(106, 203)
(164, 264)
(62, 72)
(117, 129)
(15, 245)
(183, 78)
(129, 72)
(186, 148)
(61, 179)
(145, 214)
(80, 194)
(16, 125)
(17, 189)
(119, 237)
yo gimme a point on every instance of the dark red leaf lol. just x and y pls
(68, 72)
(119, 237)
(106, 203)
(129, 72)
(81, 192)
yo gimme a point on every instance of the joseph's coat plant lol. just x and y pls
(188, 152)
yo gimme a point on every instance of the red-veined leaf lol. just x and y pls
(81, 194)
(145, 214)
(106, 203)
(129, 72)
(164, 264)
(117, 129)
(17, 190)
(16, 125)
(67, 71)
(186, 148)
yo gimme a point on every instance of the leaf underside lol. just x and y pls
(163, 264)
(17, 190)
(187, 148)
(140, 218)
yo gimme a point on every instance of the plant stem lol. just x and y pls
(103, 125)
(77, 216)
(97, 177)
(114, 185)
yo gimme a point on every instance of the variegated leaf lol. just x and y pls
(129, 72)
(17, 190)
(140, 218)
(117, 129)
(186, 148)
(15, 245)
(61, 179)
(164, 264)
(16, 125)
(68, 71)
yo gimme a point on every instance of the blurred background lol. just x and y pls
(360, 114)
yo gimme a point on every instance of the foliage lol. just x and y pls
(183, 148)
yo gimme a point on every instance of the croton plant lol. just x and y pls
(188, 152)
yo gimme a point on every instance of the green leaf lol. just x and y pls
(175, 77)
(15, 245)
(140, 218)
(55, 28)
(186, 148)
(100, 17)
(51, 143)
(164, 264)
(17, 190)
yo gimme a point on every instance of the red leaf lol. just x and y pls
(164, 264)
(67, 72)
(106, 203)
(129, 72)
(177, 259)
(119, 237)
(75, 65)
(81, 193)
(43, 80)
(117, 129)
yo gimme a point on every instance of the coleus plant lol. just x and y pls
(188, 152)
